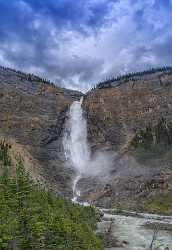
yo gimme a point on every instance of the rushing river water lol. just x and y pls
(132, 233)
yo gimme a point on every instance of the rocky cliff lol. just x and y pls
(116, 111)
(32, 117)
(33, 113)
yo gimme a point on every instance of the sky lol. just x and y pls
(77, 43)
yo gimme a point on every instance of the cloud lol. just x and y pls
(78, 43)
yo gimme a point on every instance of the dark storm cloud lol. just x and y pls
(77, 43)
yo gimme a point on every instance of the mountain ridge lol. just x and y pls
(33, 115)
(138, 75)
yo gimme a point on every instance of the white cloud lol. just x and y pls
(132, 36)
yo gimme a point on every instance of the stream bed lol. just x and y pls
(133, 231)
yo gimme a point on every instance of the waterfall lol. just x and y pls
(76, 148)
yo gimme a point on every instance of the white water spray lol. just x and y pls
(77, 150)
(75, 144)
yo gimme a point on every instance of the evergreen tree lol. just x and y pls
(34, 219)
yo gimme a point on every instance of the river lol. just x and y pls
(136, 231)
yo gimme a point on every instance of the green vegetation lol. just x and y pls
(29, 77)
(159, 204)
(154, 138)
(131, 76)
(160, 248)
(31, 218)
(150, 146)
(5, 160)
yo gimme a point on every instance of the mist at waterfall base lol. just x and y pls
(77, 150)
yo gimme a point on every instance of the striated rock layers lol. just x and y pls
(33, 114)
(115, 113)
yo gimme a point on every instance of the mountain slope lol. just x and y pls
(32, 218)
(116, 112)
(32, 117)
(122, 109)
(33, 114)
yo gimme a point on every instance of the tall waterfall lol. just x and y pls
(77, 150)
(75, 143)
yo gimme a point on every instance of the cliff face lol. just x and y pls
(33, 114)
(32, 117)
(116, 113)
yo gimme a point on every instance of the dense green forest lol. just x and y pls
(154, 137)
(31, 218)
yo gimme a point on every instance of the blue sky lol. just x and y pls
(78, 43)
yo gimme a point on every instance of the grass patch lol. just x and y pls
(161, 204)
